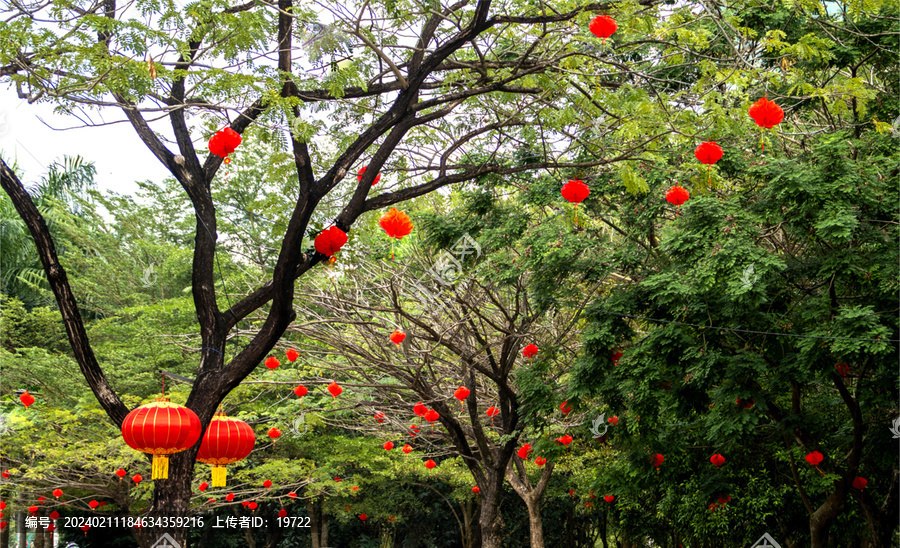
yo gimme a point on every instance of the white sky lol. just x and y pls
(117, 152)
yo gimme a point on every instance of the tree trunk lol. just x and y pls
(20, 528)
(171, 499)
(38, 532)
(4, 537)
(489, 522)
(820, 521)
(535, 525)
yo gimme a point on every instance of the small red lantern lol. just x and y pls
(203, 486)
(93, 504)
(252, 506)
(616, 355)
(282, 513)
(137, 478)
(300, 390)
(476, 489)
(609, 498)
(407, 448)
(523, 451)
(229, 497)
(540, 461)
(363, 517)
(430, 464)
(414, 430)
(121, 472)
(708, 153)
(717, 460)
(530, 351)
(492, 412)
(292, 355)
(461, 393)
(224, 142)
(54, 515)
(267, 484)
(274, 433)
(388, 445)
(657, 461)
(431, 415)
(330, 241)
(613, 420)
(272, 362)
(815, 458)
(677, 195)
(85, 528)
(335, 390)
(379, 417)
(292, 494)
(26, 399)
(766, 113)
(603, 26)
(842, 369)
(359, 176)
(397, 337)
(859, 483)
(575, 192)
(396, 224)
(57, 492)
(5, 474)
(565, 407)
(564, 440)
(161, 428)
(420, 409)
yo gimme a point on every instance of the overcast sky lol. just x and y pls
(34, 137)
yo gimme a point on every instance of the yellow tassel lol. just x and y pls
(160, 467)
(219, 474)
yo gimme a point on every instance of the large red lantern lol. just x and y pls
(224, 143)
(226, 441)
(161, 428)
(330, 241)
(603, 26)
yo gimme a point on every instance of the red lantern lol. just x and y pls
(121, 473)
(603, 26)
(431, 415)
(430, 464)
(476, 489)
(842, 369)
(300, 390)
(565, 407)
(5, 474)
(42, 499)
(388, 445)
(564, 440)
(407, 448)
(355, 488)
(274, 433)
(415, 430)
(677, 195)
(540, 461)
(226, 441)
(492, 412)
(766, 113)
(717, 460)
(613, 420)
(282, 513)
(3, 525)
(224, 142)
(363, 517)
(161, 428)
(330, 241)
(292, 355)
(575, 192)
(93, 504)
(252, 506)
(203, 486)
(85, 528)
(26, 399)
(272, 362)
(657, 460)
(746, 404)
(859, 483)
(396, 224)
(397, 337)
(379, 417)
(54, 515)
(420, 409)
(267, 484)
(292, 494)
(2, 505)
(530, 351)
(461, 393)
(708, 153)
(359, 176)
(609, 498)
(229, 497)
(57, 493)
(335, 390)
(616, 355)
(137, 478)
(815, 458)
(523, 451)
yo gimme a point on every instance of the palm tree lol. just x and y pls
(61, 191)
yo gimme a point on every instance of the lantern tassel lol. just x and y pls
(219, 474)
(709, 175)
(160, 467)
